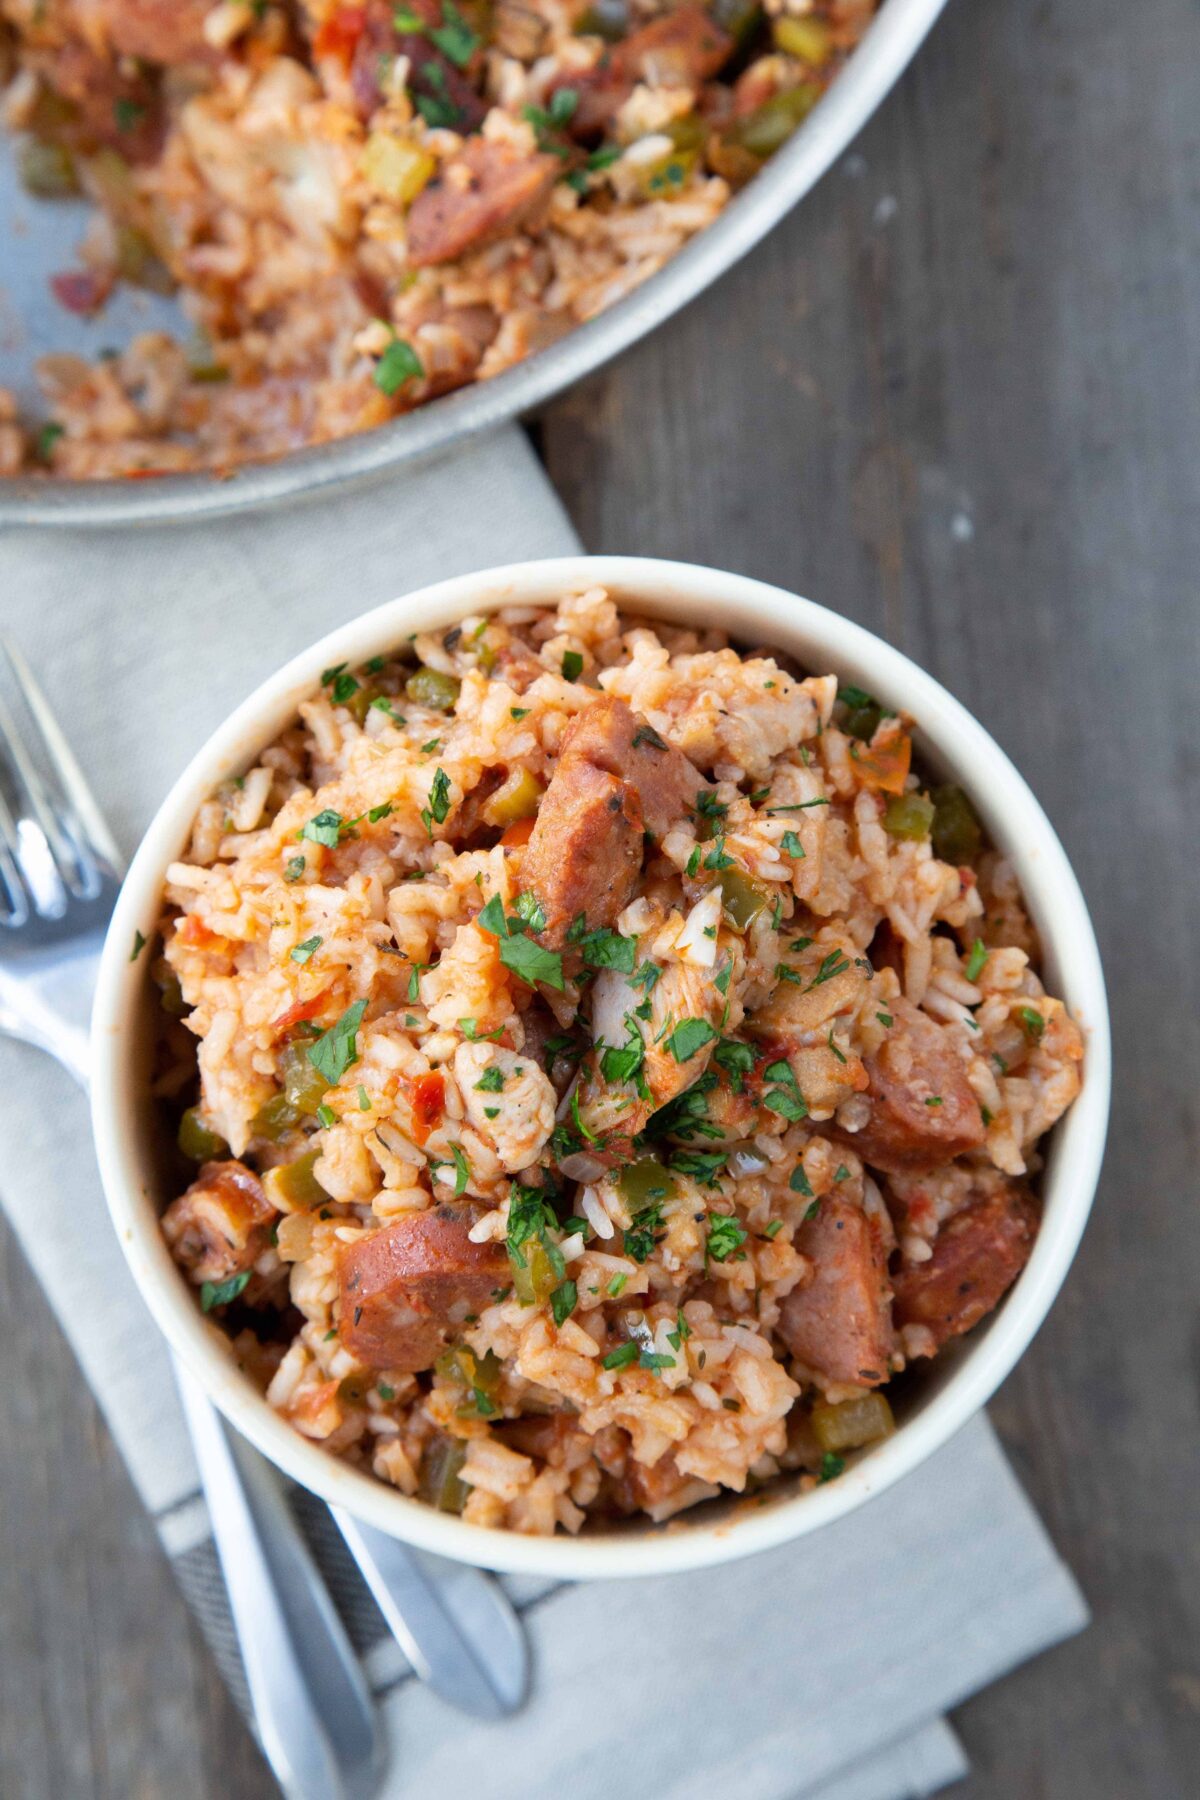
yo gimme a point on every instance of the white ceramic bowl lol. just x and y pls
(950, 742)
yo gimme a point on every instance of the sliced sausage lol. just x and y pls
(976, 1258)
(484, 192)
(610, 735)
(840, 1324)
(406, 1289)
(923, 1110)
(221, 1226)
(158, 31)
(684, 48)
(585, 851)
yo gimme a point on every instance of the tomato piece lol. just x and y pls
(428, 1103)
(195, 932)
(518, 834)
(338, 36)
(302, 1010)
(80, 291)
(885, 766)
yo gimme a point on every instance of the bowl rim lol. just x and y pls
(754, 611)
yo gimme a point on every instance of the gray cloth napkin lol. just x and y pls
(821, 1668)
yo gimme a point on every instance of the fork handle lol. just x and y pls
(49, 1003)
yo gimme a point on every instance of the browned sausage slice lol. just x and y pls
(585, 851)
(923, 1110)
(219, 1228)
(682, 49)
(406, 1289)
(976, 1258)
(612, 736)
(485, 191)
(840, 1324)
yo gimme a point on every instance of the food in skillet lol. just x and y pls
(366, 205)
(616, 1064)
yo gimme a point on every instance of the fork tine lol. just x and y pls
(14, 898)
(94, 838)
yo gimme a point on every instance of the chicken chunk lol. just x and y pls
(976, 1258)
(508, 1100)
(221, 1226)
(405, 1290)
(683, 48)
(487, 190)
(923, 1109)
(839, 1324)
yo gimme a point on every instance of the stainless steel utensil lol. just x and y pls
(871, 71)
(59, 875)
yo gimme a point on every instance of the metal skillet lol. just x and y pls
(29, 326)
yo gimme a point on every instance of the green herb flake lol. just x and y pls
(616, 1286)
(139, 944)
(220, 1293)
(976, 960)
(454, 37)
(792, 846)
(1032, 1022)
(364, 1099)
(325, 828)
(563, 1302)
(337, 1048)
(621, 1357)
(799, 1182)
(303, 952)
(529, 911)
(462, 1169)
(532, 963)
(725, 1240)
(689, 1037)
(326, 1117)
(831, 1467)
(572, 665)
(398, 364)
(439, 802)
(491, 1081)
(773, 1229)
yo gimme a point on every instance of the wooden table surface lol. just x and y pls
(954, 396)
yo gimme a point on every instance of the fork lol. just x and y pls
(60, 873)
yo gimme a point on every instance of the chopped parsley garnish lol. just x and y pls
(1032, 1022)
(725, 1240)
(491, 1081)
(439, 802)
(800, 943)
(693, 861)
(473, 1035)
(681, 1333)
(139, 944)
(773, 1229)
(654, 1360)
(326, 1117)
(829, 1041)
(340, 683)
(606, 949)
(462, 1169)
(621, 1357)
(786, 1099)
(831, 1467)
(885, 1019)
(642, 1236)
(833, 964)
(294, 868)
(325, 828)
(841, 1173)
(429, 748)
(220, 1293)
(530, 1215)
(716, 858)
(773, 812)
(799, 1182)
(304, 951)
(518, 712)
(399, 362)
(563, 1301)
(572, 665)
(934, 1100)
(623, 1063)
(616, 1286)
(337, 1048)
(976, 960)
(784, 973)
(701, 1165)
(792, 846)
(364, 1099)
(454, 37)
(384, 1391)
(531, 962)
(646, 976)
(688, 1038)
(736, 1059)
(529, 911)
(413, 991)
